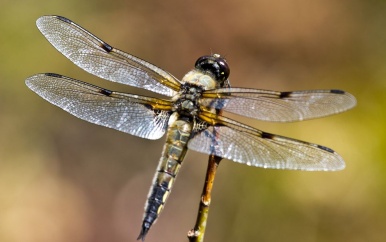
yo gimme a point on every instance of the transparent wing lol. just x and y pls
(137, 115)
(279, 106)
(241, 143)
(98, 58)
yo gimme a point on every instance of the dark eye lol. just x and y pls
(214, 65)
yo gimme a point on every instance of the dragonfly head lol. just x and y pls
(214, 65)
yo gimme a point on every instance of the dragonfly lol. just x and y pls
(192, 114)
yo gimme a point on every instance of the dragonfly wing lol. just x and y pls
(99, 58)
(278, 106)
(132, 114)
(241, 143)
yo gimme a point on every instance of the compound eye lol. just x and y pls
(224, 70)
(214, 65)
(202, 61)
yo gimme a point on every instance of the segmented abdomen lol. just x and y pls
(172, 155)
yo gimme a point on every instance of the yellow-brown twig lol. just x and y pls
(197, 234)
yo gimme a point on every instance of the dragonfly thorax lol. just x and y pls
(186, 102)
(199, 79)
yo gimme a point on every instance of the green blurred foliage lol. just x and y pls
(62, 179)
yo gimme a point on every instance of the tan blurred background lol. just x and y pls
(63, 179)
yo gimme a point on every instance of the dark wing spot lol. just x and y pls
(53, 75)
(148, 106)
(337, 91)
(325, 148)
(64, 19)
(285, 94)
(105, 92)
(265, 135)
(108, 48)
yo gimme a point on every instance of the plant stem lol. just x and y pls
(197, 234)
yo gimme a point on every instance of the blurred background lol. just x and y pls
(63, 179)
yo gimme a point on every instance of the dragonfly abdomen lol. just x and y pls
(173, 153)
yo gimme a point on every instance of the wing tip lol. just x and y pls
(44, 20)
(352, 100)
(30, 81)
(333, 162)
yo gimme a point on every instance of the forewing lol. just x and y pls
(278, 106)
(241, 143)
(99, 58)
(137, 115)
